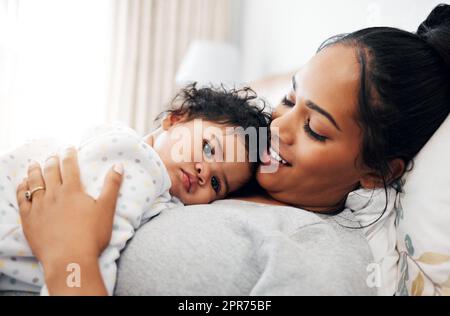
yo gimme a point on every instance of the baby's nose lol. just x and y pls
(202, 172)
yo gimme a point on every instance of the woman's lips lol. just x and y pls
(271, 157)
(265, 159)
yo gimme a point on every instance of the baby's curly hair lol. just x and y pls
(234, 107)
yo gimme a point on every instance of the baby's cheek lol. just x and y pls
(205, 197)
(198, 198)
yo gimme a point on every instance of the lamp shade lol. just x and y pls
(210, 63)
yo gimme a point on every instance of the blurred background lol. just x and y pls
(66, 65)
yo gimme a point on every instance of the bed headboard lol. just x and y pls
(274, 87)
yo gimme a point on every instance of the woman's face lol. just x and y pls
(318, 135)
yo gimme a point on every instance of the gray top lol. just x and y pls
(241, 248)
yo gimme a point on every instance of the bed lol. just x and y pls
(422, 234)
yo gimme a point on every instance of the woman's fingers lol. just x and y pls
(52, 174)
(24, 204)
(111, 187)
(35, 179)
(70, 170)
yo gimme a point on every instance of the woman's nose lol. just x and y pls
(203, 172)
(283, 128)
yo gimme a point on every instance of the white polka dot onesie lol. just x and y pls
(143, 194)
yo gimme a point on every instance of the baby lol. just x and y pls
(206, 147)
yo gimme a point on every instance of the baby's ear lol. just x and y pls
(171, 120)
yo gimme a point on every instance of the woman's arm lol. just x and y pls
(91, 282)
(64, 225)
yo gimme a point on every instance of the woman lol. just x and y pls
(357, 114)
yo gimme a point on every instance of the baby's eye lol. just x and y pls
(208, 150)
(215, 184)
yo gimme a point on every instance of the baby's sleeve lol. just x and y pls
(145, 184)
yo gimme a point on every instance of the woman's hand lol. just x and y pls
(62, 223)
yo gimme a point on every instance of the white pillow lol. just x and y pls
(423, 227)
(368, 206)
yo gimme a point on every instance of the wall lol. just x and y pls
(280, 35)
(53, 62)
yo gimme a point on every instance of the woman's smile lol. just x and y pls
(273, 157)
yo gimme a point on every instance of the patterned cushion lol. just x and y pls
(423, 221)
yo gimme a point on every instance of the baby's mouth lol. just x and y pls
(187, 180)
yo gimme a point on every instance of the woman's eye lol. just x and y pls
(208, 150)
(313, 134)
(215, 184)
(287, 102)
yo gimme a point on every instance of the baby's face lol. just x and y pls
(206, 161)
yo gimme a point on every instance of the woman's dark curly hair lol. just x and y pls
(233, 107)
